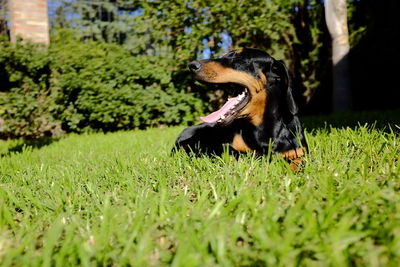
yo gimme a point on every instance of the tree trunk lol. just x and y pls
(336, 20)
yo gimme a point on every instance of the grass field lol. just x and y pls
(120, 199)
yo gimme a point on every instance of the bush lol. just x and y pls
(27, 101)
(79, 87)
(107, 88)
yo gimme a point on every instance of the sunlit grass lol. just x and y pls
(121, 199)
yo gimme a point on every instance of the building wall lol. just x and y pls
(29, 20)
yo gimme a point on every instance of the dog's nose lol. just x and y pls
(194, 66)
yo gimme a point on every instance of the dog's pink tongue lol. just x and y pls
(216, 115)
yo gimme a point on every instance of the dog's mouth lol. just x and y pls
(230, 110)
(250, 103)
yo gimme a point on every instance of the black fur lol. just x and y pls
(280, 127)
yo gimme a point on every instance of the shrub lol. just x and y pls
(27, 101)
(106, 88)
(78, 87)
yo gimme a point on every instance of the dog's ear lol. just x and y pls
(281, 100)
(287, 98)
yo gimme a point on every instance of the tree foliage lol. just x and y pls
(290, 30)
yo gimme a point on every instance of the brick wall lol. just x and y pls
(29, 20)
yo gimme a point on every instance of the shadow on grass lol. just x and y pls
(24, 145)
(382, 120)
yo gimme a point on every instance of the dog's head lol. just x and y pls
(264, 81)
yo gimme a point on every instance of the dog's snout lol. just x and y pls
(194, 66)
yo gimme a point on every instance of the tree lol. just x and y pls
(336, 19)
(294, 31)
(290, 30)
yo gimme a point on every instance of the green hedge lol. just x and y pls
(80, 87)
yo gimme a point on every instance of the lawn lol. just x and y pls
(121, 199)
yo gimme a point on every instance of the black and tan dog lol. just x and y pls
(261, 118)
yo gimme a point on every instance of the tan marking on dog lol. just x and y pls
(215, 73)
(295, 164)
(293, 153)
(239, 145)
(256, 107)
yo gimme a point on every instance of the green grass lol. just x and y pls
(120, 199)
